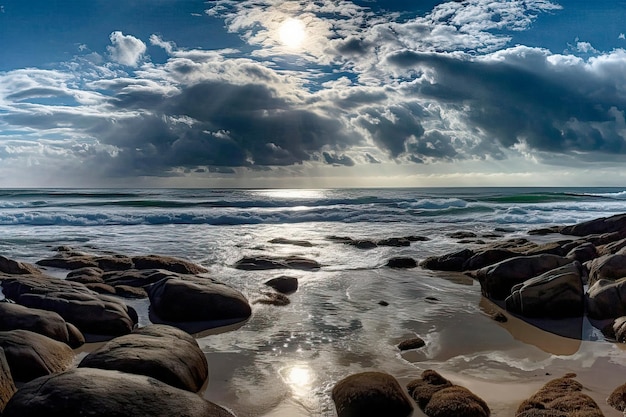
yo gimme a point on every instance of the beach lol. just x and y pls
(349, 315)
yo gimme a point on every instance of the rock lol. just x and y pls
(284, 284)
(7, 386)
(101, 288)
(611, 224)
(168, 263)
(87, 310)
(438, 397)
(558, 293)
(127, 291)
(31, 355)
(113, 262)
(370, 394)
(9, 266)
(609, 267)
(497, 280)
(103, 393)
(88, 275)
(617, 399)
(205, 300)
(402, 262)
(158, 351)
(409, 344)
(552, 248)
(613, 247)
(137, 278)
(273, 298)
(462, 235)
(560, 397)
(545, 231)
(283, 241)
(363, 243)
(607, 299)
(488, 257)
(252, 263)
(395, 242)
(383, 303)
(500, 317)
(69, 260)
(417, 238)
(449, 262)
(583, 253)
(47, 323)
(618, 329)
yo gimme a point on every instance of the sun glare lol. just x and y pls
(292, 33)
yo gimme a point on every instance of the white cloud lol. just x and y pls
(621, 36)
(156, 40)
(126, 49)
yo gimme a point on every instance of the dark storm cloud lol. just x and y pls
(526, 99)
(433, 144)
(334, 159)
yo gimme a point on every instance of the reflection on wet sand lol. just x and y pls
(558, 337)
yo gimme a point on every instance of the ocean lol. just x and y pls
(284, 360)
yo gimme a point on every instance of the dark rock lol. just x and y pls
(402, 262)
(69, 260)
(449, 262)
(370, 394)
(127, 291)
(252, 263)
(558, 293)
(103, 393)
(137, 278)
(363, 243)
(462, 235)
(607, 299)
(7, 386)
(113, 262)
(617, 399)
(47, 323)
(283, 241)
(610, 267)
(618, 329)
(158, 351)
(87, 310)
(612, 247)
(9, 266)
(552, 248)
(488, 257)
(204, 300)
(273, 298)
(560, 397)
(31, 355)
(611, 224)
(438, 397)
(583, 253)
(284, 284)
(89, 275)
(168, 263)
(417, 238)
(545, 231)
(394, 242)
(497, 280)
(500, 317)
(409, 344)
(432, 299)
(383, 303)
(101, 288)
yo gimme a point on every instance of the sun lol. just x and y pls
(292, 33)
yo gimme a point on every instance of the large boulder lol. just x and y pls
(7, 385)
(617, 399)
(168, 263)
(161, 352)
(103, 393)
(561, 397)
(370, 394)
(607, 299)
(602, 225)
(137, 277)
(609, 267)
(497, 280)
(583, 252)
(557, 293)
(488, 257)
(283, 284)
(9, 266)
(449, 262)
(89, 311)
(204, 300)
(438, 397)
(259, 263)
(48, 323)
(31, 355)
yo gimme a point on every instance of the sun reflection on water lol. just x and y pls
(292, 194)
(300, 379)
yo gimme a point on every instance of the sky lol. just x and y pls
(316, 94)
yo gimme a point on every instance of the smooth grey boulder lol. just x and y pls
(168, 263)
(583, 252)
(31, 355)
(48, 323)
(557, 293)
(162, 352)
(449, 262)
(137, 277)
(609, 267)
(602, 225)
(260, 263)
(607, 299)
(497, 280)
(204, 300)
(283, 284)
(102, 393)
(9, 266)
(371, 394)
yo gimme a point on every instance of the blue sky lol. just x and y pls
(265, 93)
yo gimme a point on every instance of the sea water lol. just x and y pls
(284, 361)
